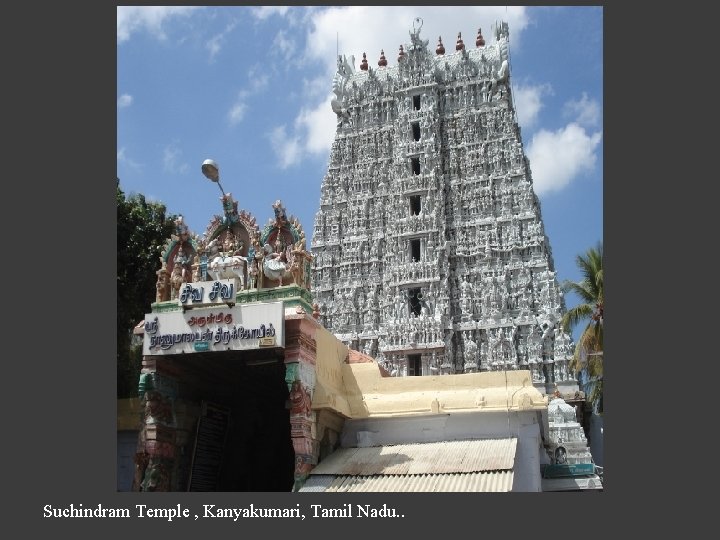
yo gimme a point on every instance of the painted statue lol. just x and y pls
(229, 263)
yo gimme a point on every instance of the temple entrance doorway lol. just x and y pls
(243, 439)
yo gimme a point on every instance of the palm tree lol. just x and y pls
(589, 348)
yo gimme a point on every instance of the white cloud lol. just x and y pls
(372, 28)
(585, 111)
(315, 89)
(124, 101)
(287, 149)
(237, 113)
(556, 158)
(285, 47)
(356, 29)
(214, 45)
(132, 19)
(123, 159)
(171, 160)
(528, 102)
(263, 12)
(257, 84)
(319, 124)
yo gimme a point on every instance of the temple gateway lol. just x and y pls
(429, 251)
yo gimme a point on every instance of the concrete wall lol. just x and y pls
(525, 426)
(528, 456)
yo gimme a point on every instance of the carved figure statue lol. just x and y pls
(280, 213)
(253, 273)
(426, 303)
(300, 402)
(176, 281)
(230, 209)
(182, 261)
(345, 69)
(163, 283)
(470, 352)
(229, 263)
(181, 230)
(296, 266)
(399, 304)
(275, 262)
(503, 71)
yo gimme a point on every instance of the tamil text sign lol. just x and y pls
(206, 293)
(249, 326)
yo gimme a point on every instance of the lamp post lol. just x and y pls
(211, 170)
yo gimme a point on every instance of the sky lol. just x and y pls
(250, 87)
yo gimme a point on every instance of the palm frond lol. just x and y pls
(594, 389)
(582, 289)
(575, 315)
(588, 354)
(586, 347)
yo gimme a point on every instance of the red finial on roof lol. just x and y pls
(480, 40)
(383, 61)
(459, 45)
(401, 54)
(364, 64)
(440, 49)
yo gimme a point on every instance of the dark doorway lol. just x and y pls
(414, 365)
(415, 249)
(415, 165)
(414, 205)
(416, 130)
(415, 306)
(257, 454)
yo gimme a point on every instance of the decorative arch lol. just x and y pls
(244, 228)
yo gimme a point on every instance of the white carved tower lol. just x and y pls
(429, 249)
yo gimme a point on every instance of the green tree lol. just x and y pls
(588, 356)
(142, 230)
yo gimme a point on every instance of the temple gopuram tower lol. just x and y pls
(429, 251)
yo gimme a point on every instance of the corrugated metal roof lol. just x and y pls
(468, 456)
(495, 482)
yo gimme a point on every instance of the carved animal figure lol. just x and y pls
(230, 267)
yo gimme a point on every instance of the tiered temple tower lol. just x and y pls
(429, 248)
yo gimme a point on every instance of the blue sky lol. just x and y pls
(250, 87)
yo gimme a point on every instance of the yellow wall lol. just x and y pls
(359, 390)
(330, 358)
